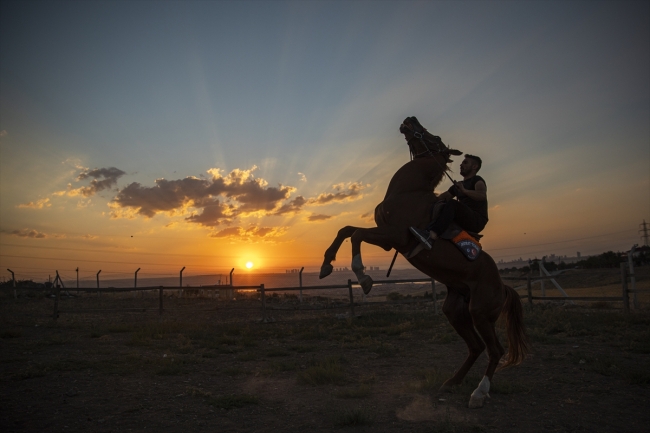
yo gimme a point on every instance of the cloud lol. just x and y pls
(250, 234)
(293, 207)
(318, 217)
(219, 199)
(3, 133)
(342, 193)
(303, 178)
(40, 204)
(368, 217)
(89, 237)
(26, 233)
(102, 179)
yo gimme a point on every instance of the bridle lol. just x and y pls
(419, 136)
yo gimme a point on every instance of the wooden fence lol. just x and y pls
(624, 298)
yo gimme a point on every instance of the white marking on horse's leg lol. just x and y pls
(364, 280)
(480, 394)
(357, 267)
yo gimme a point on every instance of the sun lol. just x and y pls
(249, 265)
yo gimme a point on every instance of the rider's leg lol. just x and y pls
(468, 219)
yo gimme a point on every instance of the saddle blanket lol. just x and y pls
(469, 246)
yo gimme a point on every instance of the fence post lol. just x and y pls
(230, 291)
(300, 281)
(541, 274)
(135, 283)
(263, 303)
(181, 282)
(14, 282)
(160, 307)
(77, 270)
(529, 287)
(626, 295)
(57, 293)
(434, 291)
(98, 292)
(351, 299)
(635, 299)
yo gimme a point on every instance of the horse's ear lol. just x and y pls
(455, 152)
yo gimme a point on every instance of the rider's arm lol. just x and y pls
(479, 193)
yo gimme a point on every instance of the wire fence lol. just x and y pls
(261, 294)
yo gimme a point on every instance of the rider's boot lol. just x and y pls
(425, 236)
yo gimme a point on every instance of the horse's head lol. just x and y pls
(421, 142)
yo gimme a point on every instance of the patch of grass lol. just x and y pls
(385, 350)
(361, 391)
(430, 379)
(639, 377)
(6, 334)
(279, 366)
(353, 417)
(302, 349)
(227, 349)
(119, 328)
(277, 352)
(228, 402)
(209, 355)
(234, 371)
(446, 338)
(314, 333)
(249, 356)
(323, 372)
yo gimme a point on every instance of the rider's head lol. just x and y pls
(470, 165)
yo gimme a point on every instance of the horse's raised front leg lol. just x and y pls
(384, 237)
(330, 253)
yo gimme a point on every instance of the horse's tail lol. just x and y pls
(518, 346)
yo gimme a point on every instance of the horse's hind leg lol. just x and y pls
(485, 327)
(330, 253)
(457, 311)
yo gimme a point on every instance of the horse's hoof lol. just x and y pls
(366, 284)
(476, 402)
(325, 270)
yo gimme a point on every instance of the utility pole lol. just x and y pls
(645, 235)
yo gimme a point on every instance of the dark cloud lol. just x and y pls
(293, 207)
(26, 233)
(102, 178)
(241, 193)
(341, 194)
(319, 217)
(368, 216)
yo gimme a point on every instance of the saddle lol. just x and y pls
(466, 241)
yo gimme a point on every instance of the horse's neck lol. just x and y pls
(421, 174)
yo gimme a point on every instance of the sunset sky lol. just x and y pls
(209, 134)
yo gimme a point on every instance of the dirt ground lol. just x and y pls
(207, 365)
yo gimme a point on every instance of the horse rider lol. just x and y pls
(469, 210)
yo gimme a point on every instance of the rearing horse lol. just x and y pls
(476, 296)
